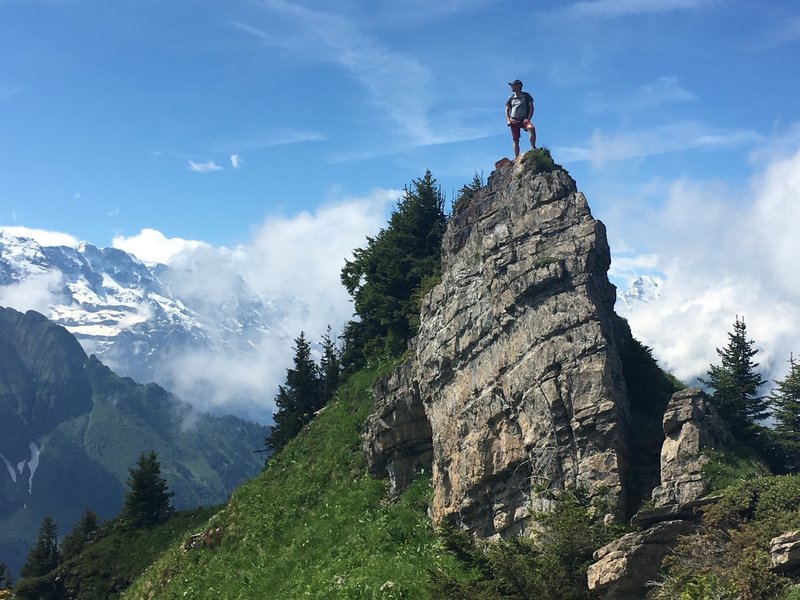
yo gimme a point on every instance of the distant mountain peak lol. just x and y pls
(644, 289)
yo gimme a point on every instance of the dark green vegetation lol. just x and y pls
(553, 566)
(76, 428)
(785, 399)
(95, 560)
(307, 389)
(736, 382)
(649, 390)
(539, 160)
(111, 555)
(386, 279)
(729, 558)
(148, 499)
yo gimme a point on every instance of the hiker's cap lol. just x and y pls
(515, 82)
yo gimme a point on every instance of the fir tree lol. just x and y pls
(6, 581)
(148, 499)
(81, 534)
(785, 399)
(43, 557)
(298, 399)
(330, 366)
(735, 383)
(468, 190)
(383, 277)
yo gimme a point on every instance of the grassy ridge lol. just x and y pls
(108, 564)
(314, 524)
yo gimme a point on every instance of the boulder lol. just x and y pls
(784, 552)
(623, 568)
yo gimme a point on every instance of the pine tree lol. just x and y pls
(298, 399)
(785, 399)
(330, 366)
(148, 499)
(383, 277)
(468, 190)
(81, 534)
(43, 557)
(735, 383)
(6, 581)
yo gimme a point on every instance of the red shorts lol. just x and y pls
(517, 125)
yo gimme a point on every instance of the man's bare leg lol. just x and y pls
(516, 148)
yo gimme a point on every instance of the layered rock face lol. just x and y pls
(514, 361)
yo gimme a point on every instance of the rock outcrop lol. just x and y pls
(398, 438)
(623, 568)
(690, 426)
(514, 366)
(784, 552)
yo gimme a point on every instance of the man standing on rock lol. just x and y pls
(519, 112)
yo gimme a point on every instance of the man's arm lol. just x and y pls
(508, 112)
(530, 107)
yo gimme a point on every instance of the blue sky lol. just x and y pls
(146, 124)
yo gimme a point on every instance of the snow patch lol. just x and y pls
(10, 468)
(33, 464)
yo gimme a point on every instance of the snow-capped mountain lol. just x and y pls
(134, 316)
(644, 289)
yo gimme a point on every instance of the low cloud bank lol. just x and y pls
(292, 265)
(722, 253)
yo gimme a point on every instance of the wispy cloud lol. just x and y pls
(787, 31)
(236, 161)
(205, 167)
(663, 90)
(604, 147)
(610, 9)
(272, 140)
(398, 86)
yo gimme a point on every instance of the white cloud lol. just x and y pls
(38, 291)
(152, 246)
(723, 256)
(236, 161)
(604, 147)
(292, 264)
(205, 167)
(42, 236)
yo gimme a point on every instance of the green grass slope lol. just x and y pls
(314, 524)
(114, 558)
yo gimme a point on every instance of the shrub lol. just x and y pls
(539, 160)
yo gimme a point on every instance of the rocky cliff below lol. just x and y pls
(515, 384)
